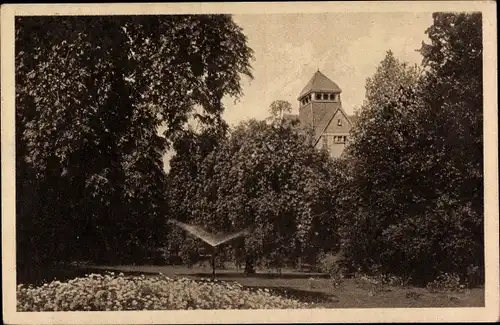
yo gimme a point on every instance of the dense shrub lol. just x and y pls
(333, 265)
(385, 279)
(446, 282)
(116, 292)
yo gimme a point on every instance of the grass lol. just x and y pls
(312, 287)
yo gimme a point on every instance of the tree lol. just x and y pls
(417, 196)
(190, 151)
(385, 85)
(278, 109)
(89, 104)
(453, 89)
(267, 176)
(454, 95)
(378, 140)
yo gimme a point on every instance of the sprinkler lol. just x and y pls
(214, 240)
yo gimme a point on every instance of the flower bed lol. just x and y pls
(118, 292)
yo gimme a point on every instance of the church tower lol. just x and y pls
(320, 108)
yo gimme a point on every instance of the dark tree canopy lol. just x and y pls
(91, 93)
(417, 157)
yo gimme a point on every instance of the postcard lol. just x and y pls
(312, 162)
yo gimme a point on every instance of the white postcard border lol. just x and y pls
(489, 313)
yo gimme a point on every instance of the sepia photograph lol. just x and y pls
(224, 163)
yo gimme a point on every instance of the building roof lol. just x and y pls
(320, 82)
(326, 120)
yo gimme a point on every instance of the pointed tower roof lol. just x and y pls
(319, 82)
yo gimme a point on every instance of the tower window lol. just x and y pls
(338, 139)
(332, 96)
(325, 96)
(339, 122)
(318, 96)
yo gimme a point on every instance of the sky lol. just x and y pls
(346, 47)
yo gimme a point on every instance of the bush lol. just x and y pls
(475, 276)
(333, 265)
(443, 238)
(379, 283)
(115, 293)
(386, 279)
(446, 282)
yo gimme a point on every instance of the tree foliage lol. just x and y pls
(417, 161)
(91, 93)
(454, 84)
(385, 85)
(278, 109)
(268, 176)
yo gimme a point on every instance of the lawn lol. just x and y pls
(316, 288)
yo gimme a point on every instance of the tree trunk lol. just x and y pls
(213, 262)
(249, 266)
